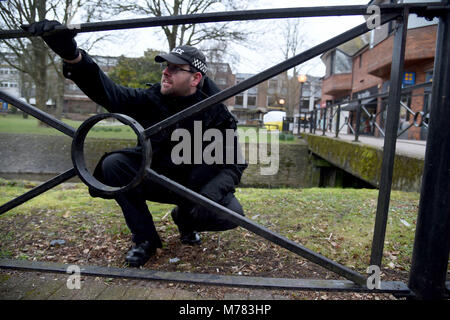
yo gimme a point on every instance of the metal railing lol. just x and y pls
(329, 118)
(431, 247)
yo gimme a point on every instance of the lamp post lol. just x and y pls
(302, 79)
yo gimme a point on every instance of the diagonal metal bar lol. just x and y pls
(379, 128)
(265, 75)
(393, 114)
(241, 15)
(256, 228)
(406, 129)
(38, 190)
(395, 287)
(39, 114)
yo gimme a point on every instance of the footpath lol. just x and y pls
(30, 285)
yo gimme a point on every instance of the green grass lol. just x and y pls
(15, 123)
(337, 223)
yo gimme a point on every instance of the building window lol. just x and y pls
(9, 84)
(273, 86)
(271, 101)
(343, 63)
(251, 100)
(239, 100)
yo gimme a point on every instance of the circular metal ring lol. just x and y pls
(416, 116)
(80, 163)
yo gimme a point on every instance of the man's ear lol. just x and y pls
(197, 79)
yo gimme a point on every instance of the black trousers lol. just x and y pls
(118, 169)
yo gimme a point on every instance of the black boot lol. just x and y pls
(190, 238)
(139, 254)
(187, 235)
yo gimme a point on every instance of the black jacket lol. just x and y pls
(148, 107)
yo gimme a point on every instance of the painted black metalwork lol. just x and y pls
(432, 239)
(387, 170)
(78, 154)
(395, 287)
(358, 122)
(420, 118)
(427, 279)
(422, 9)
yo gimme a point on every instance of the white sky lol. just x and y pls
(259, 54)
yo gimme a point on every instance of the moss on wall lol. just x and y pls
(364, 161)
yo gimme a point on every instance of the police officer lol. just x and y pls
(183, 84)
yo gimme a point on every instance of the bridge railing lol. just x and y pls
(354, 117)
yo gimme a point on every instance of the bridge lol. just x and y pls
(363, 158)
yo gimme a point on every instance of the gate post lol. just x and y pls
(432, 239)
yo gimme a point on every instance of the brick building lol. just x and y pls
(278, 93)
(361, 67)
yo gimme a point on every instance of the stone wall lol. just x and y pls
(41, 157)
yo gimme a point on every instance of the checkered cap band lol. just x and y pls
(199, 65)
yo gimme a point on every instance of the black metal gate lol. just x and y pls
(432, 241)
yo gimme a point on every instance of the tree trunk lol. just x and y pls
(59, 96)
(40, 75)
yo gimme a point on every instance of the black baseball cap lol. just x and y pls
(185, 55)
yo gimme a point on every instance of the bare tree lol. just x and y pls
(188, 34)
(293, 43)
(31, 57)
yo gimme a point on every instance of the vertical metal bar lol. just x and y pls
(304, 122)
(324, 124)
(311, 115)
(387, 166)
(330, 119)
(432, 239)
(314, 115)
(315, 121)
(358, 121)
(338, 120)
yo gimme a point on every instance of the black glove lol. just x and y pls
(61, 42)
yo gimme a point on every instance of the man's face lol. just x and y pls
(178, 80)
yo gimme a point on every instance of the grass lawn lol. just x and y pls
(15, 123)
(338, 223)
